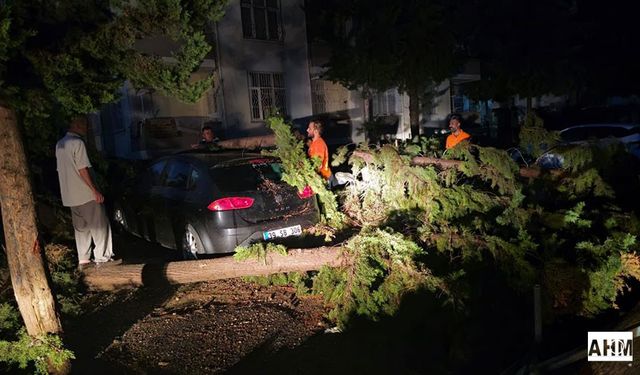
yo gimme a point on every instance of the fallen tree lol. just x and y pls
(527, 172)
(134, 275)
(249, 143)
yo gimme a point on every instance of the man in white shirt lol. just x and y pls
(79, 192)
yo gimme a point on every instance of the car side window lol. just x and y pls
(600, 133)
(155, 173)
(178, 173)
(572, 135)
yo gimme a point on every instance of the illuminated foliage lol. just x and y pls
(300, 171)
(566, 233)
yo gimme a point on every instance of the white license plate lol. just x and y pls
(295, 230)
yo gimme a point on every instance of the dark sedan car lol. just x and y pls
(211, 202)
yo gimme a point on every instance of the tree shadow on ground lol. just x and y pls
(91, 333)
(424, 336)
(107, 316)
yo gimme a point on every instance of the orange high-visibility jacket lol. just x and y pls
(453, 139)
(318, 148)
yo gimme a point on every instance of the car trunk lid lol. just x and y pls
(259, 179)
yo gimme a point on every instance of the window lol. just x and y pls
(267, 95)
(385, 103)
(327, 96)
(178, 174)
(261, 19)
(575, 134)
(607, 132)
(245, 177)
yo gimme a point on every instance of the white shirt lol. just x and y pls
(71, 157)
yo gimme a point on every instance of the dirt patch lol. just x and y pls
(198, 328)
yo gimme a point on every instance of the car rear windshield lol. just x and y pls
(245, 177)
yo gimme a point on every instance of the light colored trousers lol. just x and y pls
(90, 222)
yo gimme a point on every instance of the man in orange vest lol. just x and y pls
(457, 134)
(318, 149)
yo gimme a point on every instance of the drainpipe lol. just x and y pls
(219, 69)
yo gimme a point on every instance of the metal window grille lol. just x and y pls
(267, 94)
(318, 97)
(386, 103)
(261, 19)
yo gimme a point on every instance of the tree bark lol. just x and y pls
(24, 252)
(249, 143)
(133, 275)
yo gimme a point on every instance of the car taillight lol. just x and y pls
(231, 203)
(307, 192)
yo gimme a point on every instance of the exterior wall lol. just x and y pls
(334, 100)
(435, 115)
(239, 56)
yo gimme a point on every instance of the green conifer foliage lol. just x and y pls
(40, 351)
(258, 250)
(55, 64)
(534, 138)
(531, 229)
(299, 171)
(383, 268)
(566, 233)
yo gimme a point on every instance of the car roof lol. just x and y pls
(624, 126)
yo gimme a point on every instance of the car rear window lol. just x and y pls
(245, 177)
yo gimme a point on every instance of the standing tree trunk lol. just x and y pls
(24, 254)
(414, 112)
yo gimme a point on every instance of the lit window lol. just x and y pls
(267, 94)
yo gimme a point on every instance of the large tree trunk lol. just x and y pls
(414, 112)
(249, 143)
(24, 253)
(133, 275)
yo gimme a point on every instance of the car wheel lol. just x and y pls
(191, 243)
(119, 219)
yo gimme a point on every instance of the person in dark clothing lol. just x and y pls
(208, 141)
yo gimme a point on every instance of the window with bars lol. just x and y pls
(261, 19)
(385, 103)
(267, 94)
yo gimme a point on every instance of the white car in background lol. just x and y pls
(594, 134)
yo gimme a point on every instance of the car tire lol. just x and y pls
(190, 243)
(119, 219)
